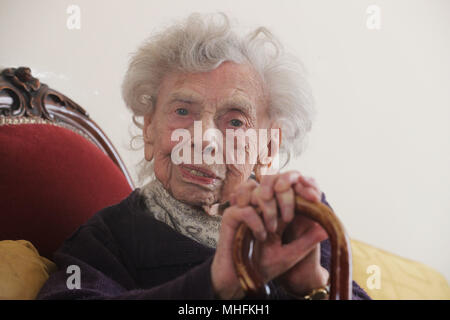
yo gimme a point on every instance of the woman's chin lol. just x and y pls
(195, 195)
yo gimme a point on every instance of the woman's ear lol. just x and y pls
(147, 133)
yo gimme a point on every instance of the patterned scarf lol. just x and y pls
(186, 219)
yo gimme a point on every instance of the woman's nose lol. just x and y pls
(207, 138)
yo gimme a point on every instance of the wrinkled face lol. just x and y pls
(229, 97)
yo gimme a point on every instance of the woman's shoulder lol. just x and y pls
(132, 204)
(104, 223)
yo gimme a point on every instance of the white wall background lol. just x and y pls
(380, 148)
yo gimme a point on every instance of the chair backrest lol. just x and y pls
(57, 167)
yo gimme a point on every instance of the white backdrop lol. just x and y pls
(380, 148)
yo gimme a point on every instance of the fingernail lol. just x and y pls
(319, 197)
(263, 235)
(314, 195)
(289, 215)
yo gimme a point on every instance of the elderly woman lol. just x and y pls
(165, 241)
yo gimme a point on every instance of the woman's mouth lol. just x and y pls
(198, 175)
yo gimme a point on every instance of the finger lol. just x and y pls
(308, 193)
(244, 193)
(286, 203)
(308, 182)
(233, 199)
(303, 226)
(268, 209)
(234, 216)
(300, 248)
(270, 213)
(297, 227)
(286, 180)
(281, 227)
(266, 184)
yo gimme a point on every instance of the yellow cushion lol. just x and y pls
(22, 270)
(400, 278)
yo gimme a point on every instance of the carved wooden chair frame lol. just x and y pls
(24, 99)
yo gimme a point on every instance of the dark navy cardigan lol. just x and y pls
(123, 252)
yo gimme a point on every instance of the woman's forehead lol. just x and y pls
(228, 80)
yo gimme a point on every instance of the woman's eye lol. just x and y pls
(236, 123)
(181, 111)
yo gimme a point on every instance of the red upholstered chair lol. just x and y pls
(57, 167)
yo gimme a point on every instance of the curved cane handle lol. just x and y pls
(341, 269)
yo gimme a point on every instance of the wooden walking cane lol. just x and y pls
(340, 280)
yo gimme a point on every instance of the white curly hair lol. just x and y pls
(201, 43)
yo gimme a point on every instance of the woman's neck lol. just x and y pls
(189, 220)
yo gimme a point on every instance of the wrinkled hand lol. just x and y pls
(290, 244)
(307, 274)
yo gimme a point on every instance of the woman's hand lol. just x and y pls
(290, 251)
(307, 274)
